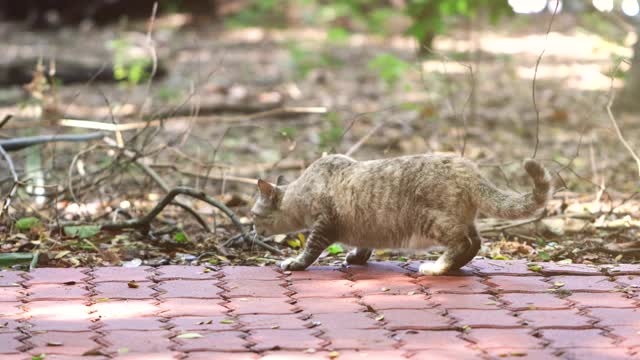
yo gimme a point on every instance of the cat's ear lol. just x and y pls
(266, 189)
(281, 181)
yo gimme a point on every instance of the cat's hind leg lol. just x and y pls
(358, 256)
(462, 246)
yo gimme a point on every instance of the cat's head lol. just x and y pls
(268, 217)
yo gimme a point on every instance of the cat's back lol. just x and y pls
(395, 184)
(411, 168)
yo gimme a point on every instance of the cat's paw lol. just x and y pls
(353, 258)
(292, 264)
(434, 269)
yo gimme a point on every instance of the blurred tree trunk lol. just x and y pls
(628, 99)
(426, 45)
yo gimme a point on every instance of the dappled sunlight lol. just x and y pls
(578, 76)
(59, 311)
(115, 309)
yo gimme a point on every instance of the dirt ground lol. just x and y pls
(474, 95)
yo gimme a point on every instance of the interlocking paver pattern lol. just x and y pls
(488, 310)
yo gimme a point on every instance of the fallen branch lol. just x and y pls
(145, 221)
(89, 124)
(24, 142)
(632, 247)
(158, 179)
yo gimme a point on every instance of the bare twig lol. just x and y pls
(238, 179)
(16, 181)
(5, 120)
(535, 77)
(364, 139)
(615, 124)
(511, 224)
(469, 99)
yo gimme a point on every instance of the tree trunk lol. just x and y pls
(426, 46)
(628, 99)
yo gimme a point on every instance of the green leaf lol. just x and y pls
(534, 267)
(337, 35)
(294, 243)
(27, 223)
(389, 67)
(10, 259)
(82, 231)
(227, 321)
(181, 237)
(544, 256)
(38, 357)
(189, 336)
(335, 249)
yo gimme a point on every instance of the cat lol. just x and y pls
(411, 202)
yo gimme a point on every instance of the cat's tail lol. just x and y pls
(510, 205)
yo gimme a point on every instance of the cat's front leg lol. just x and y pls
(358, 256)
(321, 236)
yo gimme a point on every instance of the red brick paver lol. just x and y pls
(490, 309)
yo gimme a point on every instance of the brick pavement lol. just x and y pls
(490, 309)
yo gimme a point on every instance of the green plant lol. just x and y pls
(27, 223)
(168, 94)
(389, 68)
(128, 67)
(429, 17)
(332, 135)
(304, 60)
(264, 13)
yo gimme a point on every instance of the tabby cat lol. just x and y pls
(406, 202)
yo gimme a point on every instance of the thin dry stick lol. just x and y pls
(364, 139)
(16, 181)
(615, 123)
(464, 109)
(449, 102)
(151, 46)
(5, 120)
(535, 77)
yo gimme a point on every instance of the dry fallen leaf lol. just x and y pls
(133, 284)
